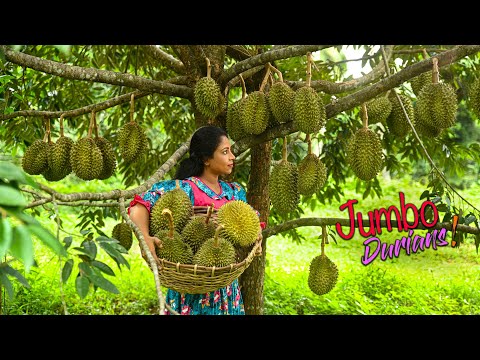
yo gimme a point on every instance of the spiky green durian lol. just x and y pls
(240, 221)
(197, 231)
(283, 187)
(312, 174)
(255, 113)
(108, 156)
(215, 251)
(59, 159)
(233, 122)
(180, 205)
(280, 98)
(124, 234)
(418, 82)
(308, 111)
(35, 159)
(378, 109)
(424, 130)
(474, 97)
(132, 141)
(173, 248)
(208, 97)
(86, 159)
(437, 105)
(364, 154)
(397, 123)
(323, 275)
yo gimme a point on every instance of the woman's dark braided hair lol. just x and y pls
(202, 146)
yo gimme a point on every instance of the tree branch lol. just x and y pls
(165, 58)
(361, 96)
(269, 56)
(96, 75)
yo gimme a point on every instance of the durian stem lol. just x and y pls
(278, 72)
(265, 78)
(209, 67)
(309, 69)
(95, 123)
(170, 222)
(61, 125)
(425, 53)
(324, 236)
(284, 149)
(435, 74)
(132, 106)
(90, 126)
(177, 184)
(244, 88)
(48, 130)
(364, 115)
(209, 213)
(308, 140)
(217, 234)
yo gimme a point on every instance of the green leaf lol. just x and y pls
(114, 254)
(10, 196)
(48, 239)
(67, 270)
(469, 219)
(90, 248)
(7, 284)
(5, 236)
(15, 273)
(82, 284)
(22, 246)
(13, 173)
(425, 194)
(85, 269)
(103, 267)
(104, 284)
(68, 241)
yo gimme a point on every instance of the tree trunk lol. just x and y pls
(252, 279)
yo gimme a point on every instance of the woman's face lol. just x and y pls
(222, 161)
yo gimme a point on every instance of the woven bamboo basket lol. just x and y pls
(196, 279)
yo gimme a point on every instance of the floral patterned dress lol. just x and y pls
(224, 301)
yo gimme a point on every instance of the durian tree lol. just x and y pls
(130, 109)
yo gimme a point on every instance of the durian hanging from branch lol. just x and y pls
(323, 272)
(309, 114)
(437, 103)
(283, 184)
(59, 165)
(418, 82)
(209, 100)
(280, 98)
(255, 113)
(312, 173)
(108, 154)
(364, 152)
(124, 234)
(132, 141)
(35, 158)
(379, 108)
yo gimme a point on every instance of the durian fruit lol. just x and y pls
(215, 251)
(108, 156)
(173, 248)
(364, 152)
(474, 97)
(240, 221)
(198, 230)
(255, 113)
(418, 82)
(397, 123)
(309, 114)
(124, 234)
(379, 109)
(59, 165)
(437, 103)
(179, 204)
(283, 184)
(425, 130)
(233, 121)
(132, 141)
(323, 273)
(86, 159)
(207, 95)
(312, 173)
(35, 159)
(280, 98)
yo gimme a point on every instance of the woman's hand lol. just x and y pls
(258, 252)
(152, 243)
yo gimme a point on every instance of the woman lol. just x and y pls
(210, 158)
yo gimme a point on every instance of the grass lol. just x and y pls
(441, 281)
